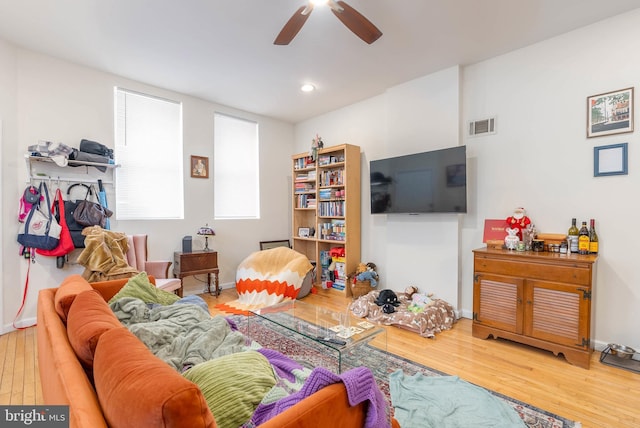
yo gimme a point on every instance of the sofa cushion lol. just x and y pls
(141, 288)
(137, 389)
(233, 385)
(67, 291)
(89, 317)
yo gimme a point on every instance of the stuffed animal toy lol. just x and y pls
(420, 301)
(410, 291)
(366, 272)
(388, 300)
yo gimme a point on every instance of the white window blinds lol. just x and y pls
(236, 168)
(149, 183)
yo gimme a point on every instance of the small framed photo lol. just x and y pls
(610, 113)
(610, 160)
(199, 167)
(303, 232)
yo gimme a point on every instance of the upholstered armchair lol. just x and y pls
(137, 258)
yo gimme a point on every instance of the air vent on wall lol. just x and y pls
(482, 127)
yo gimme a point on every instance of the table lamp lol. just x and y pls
(206, 231)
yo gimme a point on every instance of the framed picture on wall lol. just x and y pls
(610, 160)
(199, 167)
(610, 113)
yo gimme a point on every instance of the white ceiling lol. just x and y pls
(223, 51)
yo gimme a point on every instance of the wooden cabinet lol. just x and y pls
(540, 299)
(198, 263)
(326, 207)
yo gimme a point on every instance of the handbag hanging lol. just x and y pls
(40, 228)
(65, 245)
(69, 208)
(89, 213)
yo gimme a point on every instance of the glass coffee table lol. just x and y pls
(328, 332)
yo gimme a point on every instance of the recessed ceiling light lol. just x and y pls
(307, 87)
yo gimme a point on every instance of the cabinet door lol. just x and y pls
(497, 301)
(557, 312)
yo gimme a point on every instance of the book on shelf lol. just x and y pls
(336, 230)
(301, 187)
(331, 208)
(304, 162)
(306, 201)
(324, 160)
(334, 177)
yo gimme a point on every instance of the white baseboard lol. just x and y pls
(23, 323)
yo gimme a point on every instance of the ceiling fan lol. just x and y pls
(350, 17)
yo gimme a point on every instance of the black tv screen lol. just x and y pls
(428, 182)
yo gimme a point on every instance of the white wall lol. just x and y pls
(417, 116)
(51, 99)
(540, 159)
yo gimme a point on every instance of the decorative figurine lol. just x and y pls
(519, 221)
(316, 144)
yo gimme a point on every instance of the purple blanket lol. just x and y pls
(360, 384)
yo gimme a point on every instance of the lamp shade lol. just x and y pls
(206, 231)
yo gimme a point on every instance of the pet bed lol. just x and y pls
(434, 318)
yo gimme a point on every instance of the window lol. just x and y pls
(149, 183)
(236, 168)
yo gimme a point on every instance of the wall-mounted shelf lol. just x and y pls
(44, 168)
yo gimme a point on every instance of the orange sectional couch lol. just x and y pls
(89, 361)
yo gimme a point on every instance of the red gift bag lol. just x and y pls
(65, 246)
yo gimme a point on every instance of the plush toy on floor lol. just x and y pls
(388, 300)
(419, 301)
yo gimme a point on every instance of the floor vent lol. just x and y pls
(482, 127)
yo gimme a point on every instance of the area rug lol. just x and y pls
(381, 363)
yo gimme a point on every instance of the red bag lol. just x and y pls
(65, 246)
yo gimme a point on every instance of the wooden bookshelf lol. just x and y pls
(326, 204)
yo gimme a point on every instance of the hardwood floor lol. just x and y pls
(600, 397)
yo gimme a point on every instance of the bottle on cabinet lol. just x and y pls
(573, 236)
(593, 238)
(583, 239)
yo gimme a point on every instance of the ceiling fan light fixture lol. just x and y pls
(351, 18)
(307, 87)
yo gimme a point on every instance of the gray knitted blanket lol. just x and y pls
(183, 335)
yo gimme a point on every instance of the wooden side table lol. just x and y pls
(197, 263)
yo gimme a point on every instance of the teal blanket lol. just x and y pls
(447, 402)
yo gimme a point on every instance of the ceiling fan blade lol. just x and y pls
(293, 25)
(357, 23)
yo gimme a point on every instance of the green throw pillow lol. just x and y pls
(233, 385)
(141, 288)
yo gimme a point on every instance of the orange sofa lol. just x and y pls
(108, 378)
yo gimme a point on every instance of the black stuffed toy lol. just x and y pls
(388, 300)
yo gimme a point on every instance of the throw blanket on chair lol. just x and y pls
(104, 256)
(268, 277)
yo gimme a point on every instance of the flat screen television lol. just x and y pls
(428, 182)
